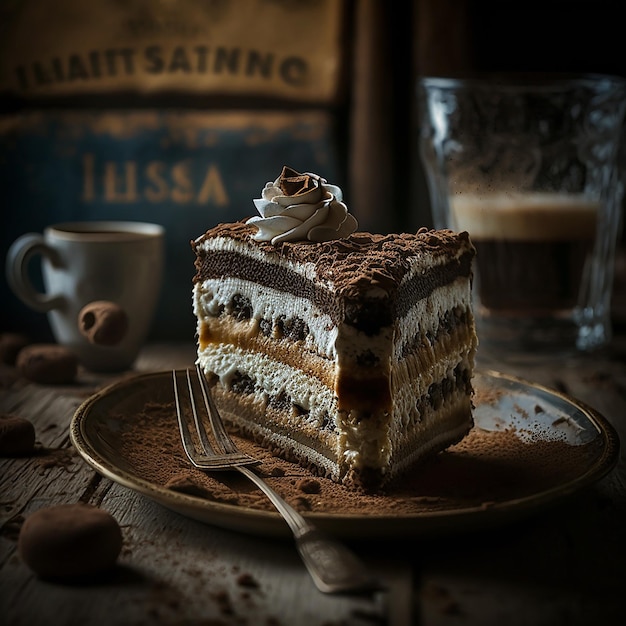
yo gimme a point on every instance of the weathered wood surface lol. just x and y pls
(563, 565)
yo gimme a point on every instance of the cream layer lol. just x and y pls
(344, 343)
(267, 304)
(273, 379)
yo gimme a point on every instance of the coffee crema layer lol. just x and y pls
(353, 357)
(532, 216)
(532, 249)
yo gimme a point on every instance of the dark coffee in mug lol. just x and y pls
(532, 250)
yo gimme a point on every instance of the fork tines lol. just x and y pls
(203, 452)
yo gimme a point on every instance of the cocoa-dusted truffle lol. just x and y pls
(104, 323)
(49, 364)
(70, 541)
(10, 345)
(17, 435)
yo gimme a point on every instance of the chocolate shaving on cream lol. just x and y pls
(293, 184)
(301, 207)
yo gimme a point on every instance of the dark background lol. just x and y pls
(386, 46)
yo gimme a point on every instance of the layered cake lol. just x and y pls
(348, 352)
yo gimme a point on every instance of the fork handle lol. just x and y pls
(333, 567)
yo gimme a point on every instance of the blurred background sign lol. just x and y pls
(275, 49)
(170, 112)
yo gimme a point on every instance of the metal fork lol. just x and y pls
(333, 567)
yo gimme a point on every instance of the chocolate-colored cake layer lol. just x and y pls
(353, 264)
(218, 264)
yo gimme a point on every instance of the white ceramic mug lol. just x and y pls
(116, 261)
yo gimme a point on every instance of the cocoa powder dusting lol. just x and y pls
(485, 468)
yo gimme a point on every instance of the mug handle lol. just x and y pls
(21, 251)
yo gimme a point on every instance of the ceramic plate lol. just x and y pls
(505, 406)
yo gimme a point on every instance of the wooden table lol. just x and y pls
(563, 565)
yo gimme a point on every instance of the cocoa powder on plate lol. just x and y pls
(485, 468)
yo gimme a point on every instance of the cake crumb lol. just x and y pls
(62, 458)
(522, 412)
(308, 485)
(247, 580)
(223, 601)
(302, 503)
(560, 420)
(185, 483)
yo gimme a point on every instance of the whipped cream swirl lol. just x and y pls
(299, 207)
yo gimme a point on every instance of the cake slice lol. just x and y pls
(352, 356)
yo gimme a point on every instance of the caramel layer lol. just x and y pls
(226, 330)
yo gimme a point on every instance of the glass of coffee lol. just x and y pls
(528, 166)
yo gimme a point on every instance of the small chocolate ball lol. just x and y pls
(10, 345)
(48, 364)
(103, 323)
(17, 435)
(70, 541)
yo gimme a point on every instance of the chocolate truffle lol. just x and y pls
(70, 542)
(17, 435)
(10, 345)
(47, 363)
(103, 323)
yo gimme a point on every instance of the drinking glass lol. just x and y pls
(528, 166)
